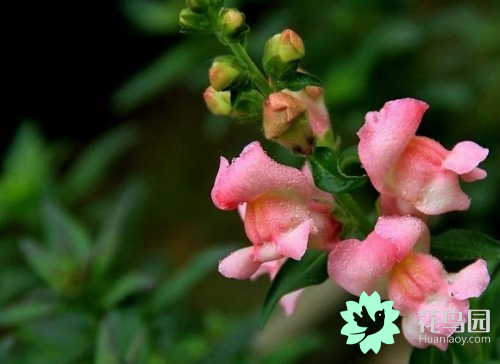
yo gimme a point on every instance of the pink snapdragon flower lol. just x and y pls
(393, 261)
(414, 174)
(280, 213)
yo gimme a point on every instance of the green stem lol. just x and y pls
(255, 74)
(352, 207)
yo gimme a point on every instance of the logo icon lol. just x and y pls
(369, 322)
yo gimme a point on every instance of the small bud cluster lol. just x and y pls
(280, 97)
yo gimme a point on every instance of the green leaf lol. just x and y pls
(106, 350)
(126, 286)
(5, 348)
(65, 235)
(111, 233)
(294, 275)
(297, 81)
(295, 349)
(431, 355)
(327, 174)
(459, 245)
(95, 161)
(40, 260)
(23, 312)
(182, 282)
(230, 347)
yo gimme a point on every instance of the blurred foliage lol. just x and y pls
(69, 293)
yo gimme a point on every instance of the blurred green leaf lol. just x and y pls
(106, 350)
(64, 337)
(22, 312)
(126, 286)
(25, 175)
(41, 261)
(15, 281)
(293, 350)
(174, 288)
(431, 355)
(154, 79)
(94, 163)
(232, 345)
(112, 231)
(294, 275)
(5, 348)
(457, 244)
(122, 335)
(153, 16)
(65, 235)
(327, 174)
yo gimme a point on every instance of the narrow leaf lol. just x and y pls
(65, 235)
(180, 283)
(294, 275)
(106, 347)
(298, 81)
(127, 286)
(327, 174)
(93, 164)
(459, 245)
(24, 312)
(111, 232)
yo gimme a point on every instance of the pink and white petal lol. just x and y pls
(289, 301)
(359, 266)
(464, 157)
(294, 243)
(385, 135)
(242, 208)
(270, 268)
(252, 175)
(405, 232)
(272, 216)
(415, 279)
(329, 229)
(394, 206)
(474, 175)
(471, 281)
(411, 332)
(442, 194)
(239, 264)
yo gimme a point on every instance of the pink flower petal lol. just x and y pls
(385, 135)
(239, 264)
(470, 281)
(252, 175)
(464, 157)
(294, 243)
(289, 302)
(474, 175)
(363, 266)
(411, 332)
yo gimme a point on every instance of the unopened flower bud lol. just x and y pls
(190, 21)
(198, 5)
(232, 24)
(218, 102)
(282, 52)
(226, 71)
(286, 121)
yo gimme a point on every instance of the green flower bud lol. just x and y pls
(226, 71)
(218, 102)
(232, 24)
(194, 22)
(282, 53)
(198, 6)
(248, 106)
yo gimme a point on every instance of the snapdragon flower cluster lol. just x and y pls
(285, 214)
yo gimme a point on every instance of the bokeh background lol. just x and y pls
(109, 240)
